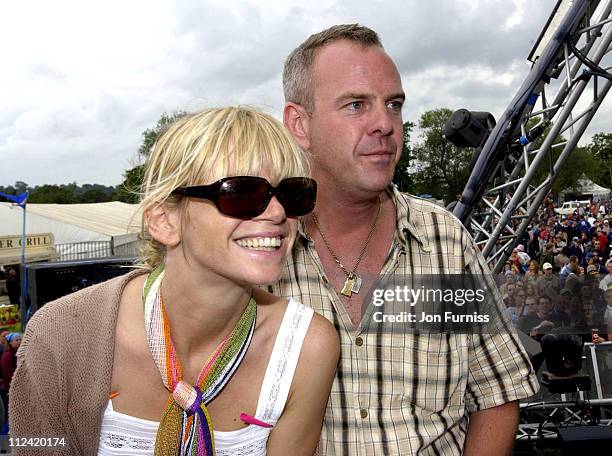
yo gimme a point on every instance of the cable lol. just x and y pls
(596, 69)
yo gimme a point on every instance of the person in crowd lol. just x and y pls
(584, 227)
(548, 283)
(561, 260)
(606, 281)
(520, 294)
(585, 310)
(4, 385)
(13, 286)
(514, 307)
(598, 247)
(531, 290)
(515, 262)
(523, 258)
(587, 245)
(571, 266)
(576, 249)
(535, 322)
(187, 355)
(607, 316)
(559, 315)
(533, 241)
(8, 363)
(547, 255)
(573, 280)
(533, 272)
(344, 101)
(603, 240)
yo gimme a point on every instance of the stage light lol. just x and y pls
(563, 355)
(468, 129)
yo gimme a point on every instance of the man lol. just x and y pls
(536, 321)
(606, 282)
(558, 315)
(548, 284)
(573, 281)
(395, 392)
(571, 266)
(576, 249)
(13, 286)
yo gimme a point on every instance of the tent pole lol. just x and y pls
(23, 274)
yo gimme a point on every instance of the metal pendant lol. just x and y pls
(349, 284)
(356, 284)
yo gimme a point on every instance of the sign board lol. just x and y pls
(9, 318)
(38, 247)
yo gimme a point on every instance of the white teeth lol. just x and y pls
(261, 243)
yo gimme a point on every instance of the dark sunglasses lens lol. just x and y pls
(298, 195)
(243, 197)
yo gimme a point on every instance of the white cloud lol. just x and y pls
(82, 80)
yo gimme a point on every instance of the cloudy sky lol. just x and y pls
(81, 80)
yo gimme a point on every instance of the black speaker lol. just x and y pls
(580, 440)
(49, 281)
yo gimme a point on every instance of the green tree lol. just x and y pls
(442, 169)
(402, 176)
(59, 194)
(601, 149)
(94, 193)
(128, 191)
(150, 135)
(579, 164)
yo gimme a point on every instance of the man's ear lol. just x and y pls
(297, 121)
(164, 224)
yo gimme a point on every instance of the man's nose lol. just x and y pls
(382, 121)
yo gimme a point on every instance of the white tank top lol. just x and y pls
(126, 435)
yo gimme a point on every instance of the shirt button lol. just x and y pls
(359, 341)
(364, 413)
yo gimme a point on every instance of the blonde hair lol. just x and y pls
(204, 147)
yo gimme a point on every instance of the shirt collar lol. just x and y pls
(402, 214)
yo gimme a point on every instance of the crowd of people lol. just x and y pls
(560, 273)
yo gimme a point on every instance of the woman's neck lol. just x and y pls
(201, 312)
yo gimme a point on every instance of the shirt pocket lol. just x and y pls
(437, 371)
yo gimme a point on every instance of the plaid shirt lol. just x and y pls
(398, 393)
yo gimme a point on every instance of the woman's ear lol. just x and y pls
(164, 224)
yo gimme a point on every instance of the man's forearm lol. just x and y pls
(492, 431)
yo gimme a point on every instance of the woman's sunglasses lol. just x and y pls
(245, 197)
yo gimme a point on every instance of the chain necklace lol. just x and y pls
(353, 281)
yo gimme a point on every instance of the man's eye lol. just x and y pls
(355, 105)
(395, 105)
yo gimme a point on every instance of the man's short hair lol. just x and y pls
(297, 77)
(546, 297)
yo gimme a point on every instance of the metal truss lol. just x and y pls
(541, 420)
(558, 99)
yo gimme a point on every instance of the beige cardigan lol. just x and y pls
(64, 366)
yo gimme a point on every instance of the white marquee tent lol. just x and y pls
(586, 186)
(115, 223)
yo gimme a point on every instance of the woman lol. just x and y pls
(194, 344)
(8, 362)
(533, 272)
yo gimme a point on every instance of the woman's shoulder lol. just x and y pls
(321, 343)
(80, 311)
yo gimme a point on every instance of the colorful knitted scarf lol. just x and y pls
(185, 428)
